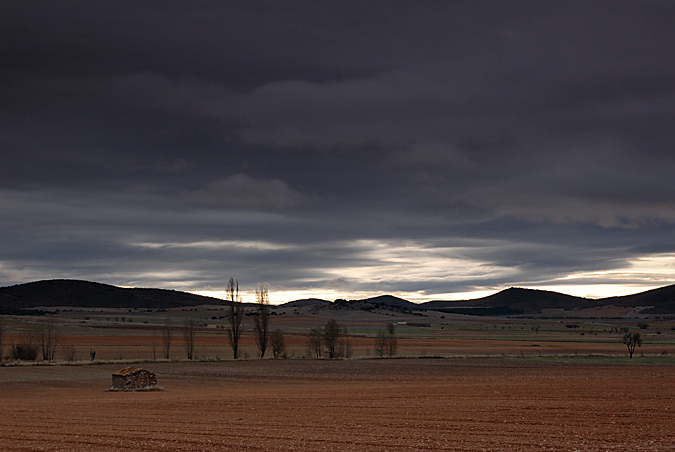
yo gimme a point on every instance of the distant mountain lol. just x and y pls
(64, 292)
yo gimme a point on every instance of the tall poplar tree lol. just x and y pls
(262, 318)
(235, 314)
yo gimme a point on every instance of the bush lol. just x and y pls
(24, 352)
(278, 343)
(69, 352)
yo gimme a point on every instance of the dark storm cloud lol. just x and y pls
(358, 146)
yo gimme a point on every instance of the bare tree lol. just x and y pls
(314, 342)
(235, 315)
(48, 337)
(392, 340)
(632, 340)
(381, 343)
(189, 336)
(69, 352)
(27, 350)
(344, 347)
(331, 337)
(167, 337)
(278, 343)
(262, 318)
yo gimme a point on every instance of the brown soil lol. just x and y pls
(353, 405)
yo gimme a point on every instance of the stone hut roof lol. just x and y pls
(130, 371)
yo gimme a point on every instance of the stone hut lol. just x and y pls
(133, 379)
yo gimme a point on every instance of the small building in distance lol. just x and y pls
(134, 379)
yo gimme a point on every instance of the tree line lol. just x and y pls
(264, 338)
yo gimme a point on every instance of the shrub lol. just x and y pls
(278, 343)
(69, 352)
(24, 352)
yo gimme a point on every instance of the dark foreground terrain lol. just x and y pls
(354, 405)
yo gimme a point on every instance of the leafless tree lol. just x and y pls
(278, 343)
(69, 352)
(632, 340)
(27, 350)
(392, 340)
(167, 337)
(235, 315)
(331, 337)
(344, 347)
(189, 336)
(48, 337)
(314, 342)
(262, 318)
(381, 343)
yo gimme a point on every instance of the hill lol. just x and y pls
(304, 302)
(662, 300)
(382, 301)
(63, 292)
(530, 301)
(513, 301)
(391, 301)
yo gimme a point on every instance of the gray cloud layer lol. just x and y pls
(387, 146)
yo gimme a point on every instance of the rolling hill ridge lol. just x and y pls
(85, 294)
(513, 301)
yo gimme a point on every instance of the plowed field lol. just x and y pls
(352, 405)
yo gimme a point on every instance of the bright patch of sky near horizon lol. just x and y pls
(586, 291)
(647, 273)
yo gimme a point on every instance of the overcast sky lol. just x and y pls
(431, 150)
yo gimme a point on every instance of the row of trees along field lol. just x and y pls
(261, 318)
(234, 316)
(329, 341)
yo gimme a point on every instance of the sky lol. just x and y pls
(426, 149)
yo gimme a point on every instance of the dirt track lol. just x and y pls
(361, 405)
